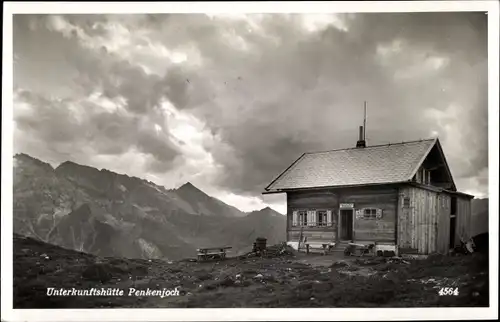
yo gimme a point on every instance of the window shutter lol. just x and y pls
(329, 218)
(314, 219)
(295, 218)
(359, 213)
(379, 213)
(309, 218)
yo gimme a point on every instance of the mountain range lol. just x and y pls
(479, 218)
(109, 214)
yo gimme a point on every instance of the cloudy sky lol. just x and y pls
(228, 101)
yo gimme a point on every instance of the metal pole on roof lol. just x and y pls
(364, 125)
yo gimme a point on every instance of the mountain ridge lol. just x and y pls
(110, 214)
(480, 215)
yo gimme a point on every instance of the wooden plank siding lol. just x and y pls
(381, 230)
(421, 227)
(418, 224)
(463, 220)
(308, 200)
(424, 226)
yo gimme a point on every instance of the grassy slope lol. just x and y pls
(285, 282)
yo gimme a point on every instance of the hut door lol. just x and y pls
(346, 221)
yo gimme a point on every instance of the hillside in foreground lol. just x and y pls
(281, 279)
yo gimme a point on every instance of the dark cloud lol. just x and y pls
(53, 120)
(55, 123)
(266, 88)
(308, 92)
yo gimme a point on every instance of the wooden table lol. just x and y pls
(212, 252)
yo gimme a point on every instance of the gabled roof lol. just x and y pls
(378, 164)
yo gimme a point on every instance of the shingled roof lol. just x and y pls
(378, 164)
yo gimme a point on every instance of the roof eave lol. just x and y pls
(283, 172)
(334, 187)
(272, 192)
(440, 148)
(439, 189)
(463, 194)
(446, 164)
(421, 161)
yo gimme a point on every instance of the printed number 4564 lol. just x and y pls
(444, 291)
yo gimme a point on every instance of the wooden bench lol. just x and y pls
(325, 246)
(212, 252)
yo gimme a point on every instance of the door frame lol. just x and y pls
(340, 223)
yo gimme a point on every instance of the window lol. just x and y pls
(312, 218)
(370, 213)
(321, 218)
(423, 176)
(406, 202)
(426, 176)
(302, 218)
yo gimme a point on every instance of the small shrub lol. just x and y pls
(339, 264)
(204, 277)
(250, 272)
(98, 273)
(322, 287)
(212, 285)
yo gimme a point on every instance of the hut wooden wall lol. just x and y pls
(373, 230)
(423, 227)
(309, 200)
(380, 230)
(463, 219)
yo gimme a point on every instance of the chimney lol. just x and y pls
(361, 142)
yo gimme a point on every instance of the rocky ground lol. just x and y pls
(282, 279)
